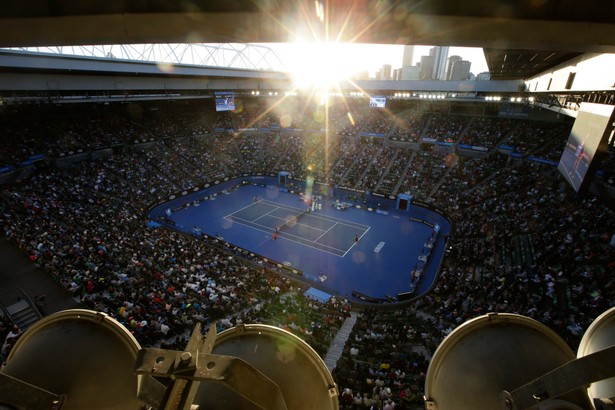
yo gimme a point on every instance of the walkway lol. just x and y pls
(18, 272)
(339, 341)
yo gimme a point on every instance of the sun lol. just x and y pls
(320, 65)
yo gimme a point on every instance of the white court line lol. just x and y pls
(368, 228)
(267, 214)
(304, 241)
(360, 237)
(245, 207)
(233, 217)
(321, 217)
(248, 206)
(309, 226)
(323, 234)
(268, 231)
(285, 220)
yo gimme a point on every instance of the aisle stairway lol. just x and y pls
(19, 308)
(339, 341)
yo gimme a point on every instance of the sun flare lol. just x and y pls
(321, 65)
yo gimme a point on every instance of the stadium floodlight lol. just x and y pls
(240, 365)
(547, 373)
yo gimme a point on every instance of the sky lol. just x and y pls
(361, 57)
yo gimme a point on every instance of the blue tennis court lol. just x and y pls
(309, 228)
(321, 246)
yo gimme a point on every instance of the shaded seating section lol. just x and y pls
(523, 241)
(385, 359)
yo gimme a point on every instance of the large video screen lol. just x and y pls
(225, 101)
(377, 102)
(589, 132)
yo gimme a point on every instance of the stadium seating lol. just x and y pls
(523, 243)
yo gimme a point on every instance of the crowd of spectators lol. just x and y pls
(488, 131)
(84, 227)
(385, 360)
(409, 126)
(446, 128)
(523, 243)
(401, 159)
(377, 122)
(369, 152)
(425, 171)
(563, 282)
(540, 141)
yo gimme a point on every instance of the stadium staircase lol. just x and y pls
(523, 251)
(517, 254)
(554, 145)
(19, 308)
(282, 157)
(465, 130)
(350, 169)
(504, 139)
(371, 164)
(482, 183)
(426, 128)
(339, 341)
(439, 182)
(386, 170)
(403, 175)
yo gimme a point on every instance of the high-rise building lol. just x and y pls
(407, 70)
(396, 74)
(460, 70)
(433, 66)
(410, 72)
(408, 56)
(439, 65)
(449, 66)
(385, 72)
(426, 70)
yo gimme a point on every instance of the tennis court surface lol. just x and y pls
(310, 228)
(320, 246)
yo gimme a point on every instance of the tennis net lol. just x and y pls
(293, 220)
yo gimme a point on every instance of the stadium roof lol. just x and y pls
(521, 38)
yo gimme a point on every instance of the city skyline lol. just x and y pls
(350, 59)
